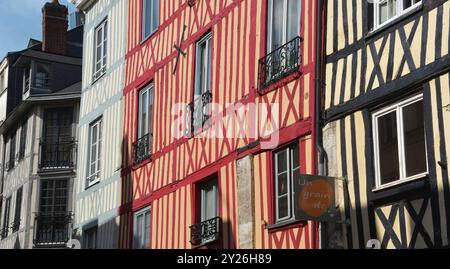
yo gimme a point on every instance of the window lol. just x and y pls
(90, 239)
(287, 171)
(5, 228)
(57, 144)
(95, 139)
(209, 201)
(384, 11)
(283, 42)
(52, 220)
(142, 148)
(142, 229)
(12, 151)
(23, 140)
(400, 148)
(53, 198)
(42, 76)
(150, 19)
(17, 213)
(207, 229)
(100, 53)
(202, 90)
(283, 22)
(145, 111)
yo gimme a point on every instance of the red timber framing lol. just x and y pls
(167, 180)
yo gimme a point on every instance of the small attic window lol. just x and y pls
(42, 77)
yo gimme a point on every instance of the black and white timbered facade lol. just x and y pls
(387, 121)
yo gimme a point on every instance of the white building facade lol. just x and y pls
(97, 188)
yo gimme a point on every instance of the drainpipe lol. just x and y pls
(322, 155)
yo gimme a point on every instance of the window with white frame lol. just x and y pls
(384, 11)
(100, 49)
(203, 66)
(399, 143)
(145, 111)
(95, 139)
(287, 170)
(283, 22)
(202, 90)
(142, 229)
(150, 17)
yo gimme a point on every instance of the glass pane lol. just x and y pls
(293, 19)
(277, 24)
(209, 204)
(414, 132)
(155, 18)
(147, 230)
(139, 223)
(282, 161)
(283, 208)
(143, 114)
(150, 110)
(282, 184)
(384, 15)
(147, 23)
(388, 148)
(296, 157)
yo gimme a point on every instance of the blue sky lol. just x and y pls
(21, 20)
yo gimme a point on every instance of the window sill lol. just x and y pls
(99, 77)
(285, 225)
(394, 21)
(145, 39)
(406, 189)
(92, 185)
(400, 182)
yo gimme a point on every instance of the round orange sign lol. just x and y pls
(316, 197)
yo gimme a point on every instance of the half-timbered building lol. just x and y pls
(231, 76)
(386, 100)
(97, 189)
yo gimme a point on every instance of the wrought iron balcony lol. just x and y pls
(205, 232)
(142, 149)
(52, 230)
(198, 113)
(279, 63)
(57, 155)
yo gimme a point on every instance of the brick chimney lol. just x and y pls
(54, 28)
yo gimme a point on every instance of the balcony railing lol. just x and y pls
(57, 155)
(142, 149)
(205, 232)
(279, 63)
(52, 230)
(198, 113)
